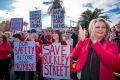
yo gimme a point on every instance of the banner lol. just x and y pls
(16, 24)
(35, 19)
(56, 61)
(24, 56)
(57, 18)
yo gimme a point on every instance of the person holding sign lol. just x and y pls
(57, 38)
(34, 37)
(4, 58)
(96, 55)
(18, 74)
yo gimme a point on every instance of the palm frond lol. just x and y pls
(88, 15)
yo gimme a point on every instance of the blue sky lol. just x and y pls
(7, 5)
(74, 8)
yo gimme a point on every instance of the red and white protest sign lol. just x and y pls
(24, 56)
(56, 61)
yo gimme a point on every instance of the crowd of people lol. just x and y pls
(95, 55)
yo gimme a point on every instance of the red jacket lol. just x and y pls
(5, 50)
(38, 49)
(117, 65)
(106, 52)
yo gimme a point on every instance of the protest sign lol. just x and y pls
(35, 19)
(56, 61)
(57, 18)
(24, 56)
(16, 24)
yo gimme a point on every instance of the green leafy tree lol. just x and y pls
(88, 15)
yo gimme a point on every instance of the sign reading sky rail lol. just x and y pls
(57, 18)
(56, 61)
(24, 56)
(35, 19)
(16, 24)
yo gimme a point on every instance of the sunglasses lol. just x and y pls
(118, 24)
(67, 32)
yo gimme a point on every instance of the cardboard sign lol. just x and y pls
(56, 61)
(24, 56)
(35, 19)
(16, 24)
(57, 18)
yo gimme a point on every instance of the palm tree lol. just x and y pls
(88, 15)
(55, 5)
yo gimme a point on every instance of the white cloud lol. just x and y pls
(115, 18)
(46, 22)
(2, 13)
(22, 8)
(73, 9)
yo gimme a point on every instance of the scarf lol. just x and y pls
(91, 68)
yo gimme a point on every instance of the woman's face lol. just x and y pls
(31, 37)
(7, 35)
(16, 39)
(99, 29)
(1, 38)
(64, 37)
(55, 36)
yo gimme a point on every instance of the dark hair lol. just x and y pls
(3, 37)
(28, 31)
(59, 34)
(17, 36)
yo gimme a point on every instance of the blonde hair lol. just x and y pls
(8, 33)
(92, 23)
(35, 36)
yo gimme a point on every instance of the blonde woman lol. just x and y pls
(96, 55)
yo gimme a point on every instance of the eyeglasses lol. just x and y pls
(118, 24)
(67, 32)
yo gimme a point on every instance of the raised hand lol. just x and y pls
(82, 34)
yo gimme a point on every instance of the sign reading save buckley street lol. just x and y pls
(56, 61)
